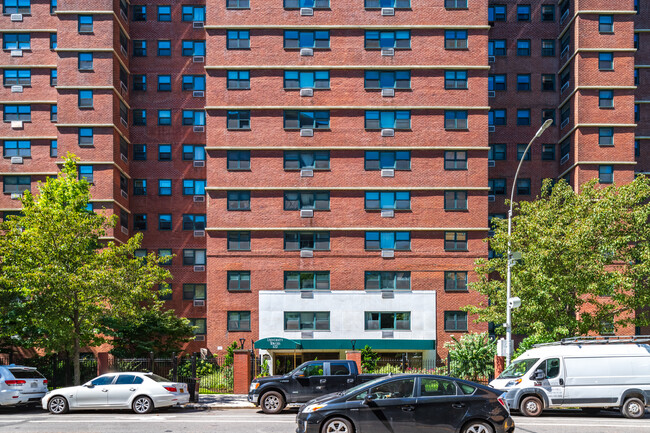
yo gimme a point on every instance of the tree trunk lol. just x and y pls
(75, 362)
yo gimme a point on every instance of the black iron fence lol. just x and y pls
(58, 370)
(417, 365)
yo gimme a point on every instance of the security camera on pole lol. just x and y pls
(512, 258)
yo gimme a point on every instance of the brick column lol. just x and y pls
(242, 371)
(354, 355)
(499, 365)
(102, 363)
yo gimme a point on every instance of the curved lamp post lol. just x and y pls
(510, 302)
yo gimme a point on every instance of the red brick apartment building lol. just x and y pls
(322, 173)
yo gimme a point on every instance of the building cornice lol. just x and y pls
(596, 125)
(344, 67)
(345, 147)
(27, 66)
(594, 50)
(346, 26)
(113, 163)
(27, 30)
(29, 173)
(347, 188)
(94, 125)
(593, 12)
(575, 164)
(342, 107)
(576, 89)
(356, 229)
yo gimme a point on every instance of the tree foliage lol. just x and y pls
(585, 261)
(472, 357)
(369, 359)
(59, 269)
(149, 330)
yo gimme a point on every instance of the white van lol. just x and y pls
(591, 373)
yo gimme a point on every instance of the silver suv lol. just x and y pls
(21, 385)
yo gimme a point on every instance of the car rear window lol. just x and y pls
(157, 378)
(467, 389)
(19, 373)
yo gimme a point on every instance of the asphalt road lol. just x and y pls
(253, 421)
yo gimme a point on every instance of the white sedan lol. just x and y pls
(141, 392)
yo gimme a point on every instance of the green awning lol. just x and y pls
(279, 343)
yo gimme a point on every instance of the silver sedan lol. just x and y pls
(141, 392)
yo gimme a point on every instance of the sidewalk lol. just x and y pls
(221, 401)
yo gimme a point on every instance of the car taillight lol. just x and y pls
(170, 388)
(503, 402)
(15, 382)
(45, 382)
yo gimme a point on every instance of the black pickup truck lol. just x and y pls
(310, 380)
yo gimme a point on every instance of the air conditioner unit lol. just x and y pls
(198, 93)
(491, 197)
(16, 89)
(16, 159)
(388, 51)
(306, 253)
(491, 93)
(124, 158)
(125, 230)
(199, 233)
(307, 334)
(387, 254)
(388, 213)
(199, 198)
(388, 92)
(491, 163)
(307, 294)
(199, 303)
(387, 132)
(197, 24)
(565, 122)
(306, 12)
(199, 268)
(126, 54)
(198, 59)
(199, 128)
(387, 294)
(564, 159)
(16, 17)
(199, 164)
(387, 334)
(124, 122)
(492, 128)
(124, 194)
(306, 51)
(17, 124)
(16, 53)
(387, 12)
(306, 213)
(387, 172)
(199, 338)
(491, 59)
(306, 132)
(306, 92)
(306, 172)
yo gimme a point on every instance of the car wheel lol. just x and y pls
(531, 406)
(337, 425)
(633, 408)
(272, 402)
(57, 405)
(142, 404)
(478, 427)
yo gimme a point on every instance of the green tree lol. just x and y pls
(472, 357)
(229, 359)
(60, 265)
(369, 359)
(585, 261)
(149, 330)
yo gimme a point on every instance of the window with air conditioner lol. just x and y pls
(194, 257)
(194, 292)
(306, 80)
(17, 77)
(304, 159)
(191, 48)
(387, 280)
(388, 119)
(388, 240)
(301, 280)
(396, 39)
(306, 321)
(194, 186)
(306, 119)
(193, 152)
(20, 148)
(16, 41)
(316, 39)
(16, 184)
(193, 222)
(375, 80)
(383, 200)
(380, 160)
(306, 200)
(200, 328)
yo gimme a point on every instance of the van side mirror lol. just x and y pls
(538, 375)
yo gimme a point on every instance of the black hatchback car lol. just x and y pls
(409, 404)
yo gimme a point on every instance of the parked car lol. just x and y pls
(309, 380)
(20, 385)
(409, 403)
(140, 392)
(586, 372)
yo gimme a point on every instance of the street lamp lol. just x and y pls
(512, 303)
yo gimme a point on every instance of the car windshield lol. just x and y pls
(157, 378)
(364, 385)
(518, 368)
(20, 373)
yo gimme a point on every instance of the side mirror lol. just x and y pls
(299, 375)
(368, 398)
(538, 375)
(89, 385)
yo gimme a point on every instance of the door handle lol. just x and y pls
(131, 389)
(561, 381)
(408, 408)
(104, 390)
(350, 380)
(323, 380)
(458, 405)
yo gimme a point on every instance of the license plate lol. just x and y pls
(181, 390)
(34, 384)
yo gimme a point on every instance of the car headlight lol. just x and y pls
(254, 386)
(513, 383)
(313, 408)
